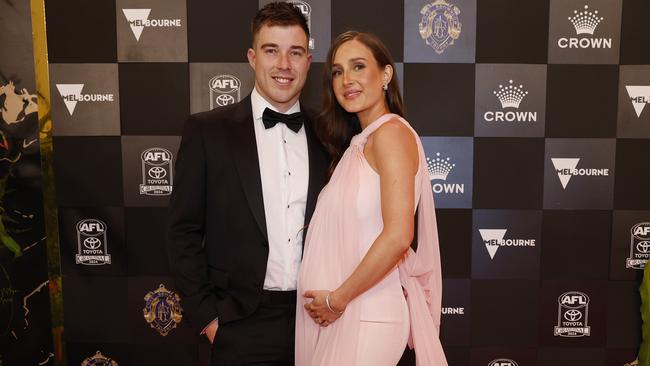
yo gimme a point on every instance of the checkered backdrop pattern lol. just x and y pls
(531, 114)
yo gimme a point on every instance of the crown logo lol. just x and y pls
(510, 95)
(585, 22)
(439, 167)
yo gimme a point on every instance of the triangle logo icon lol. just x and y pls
(67, 90)
(562, 164)
(136, 19)
(492, 238)
(637, 92)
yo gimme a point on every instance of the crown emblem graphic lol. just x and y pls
(510, 95)
(439, 167)
(585, 22)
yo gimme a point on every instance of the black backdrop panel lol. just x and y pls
(537, 204)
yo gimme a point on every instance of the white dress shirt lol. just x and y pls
(284, 168)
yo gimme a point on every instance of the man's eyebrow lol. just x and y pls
(298, 48)
(275, 45)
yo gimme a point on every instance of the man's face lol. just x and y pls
(281, 59)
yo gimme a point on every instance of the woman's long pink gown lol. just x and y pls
(345, 223)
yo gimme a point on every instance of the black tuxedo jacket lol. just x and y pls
(217, 239)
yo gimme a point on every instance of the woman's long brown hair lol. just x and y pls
(334, 126)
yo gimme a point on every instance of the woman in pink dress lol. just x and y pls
(363, 292)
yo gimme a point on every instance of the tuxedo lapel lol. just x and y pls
(244, 149)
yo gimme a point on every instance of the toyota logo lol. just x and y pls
(572, 315)
(157, 172)
(225, 99)
(92, 243)
(643, 246)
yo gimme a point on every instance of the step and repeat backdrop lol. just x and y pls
(534, 121)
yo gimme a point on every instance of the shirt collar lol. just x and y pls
(258, 104)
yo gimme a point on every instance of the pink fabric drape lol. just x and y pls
(331, 255)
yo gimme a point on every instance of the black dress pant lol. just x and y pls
(266, 338)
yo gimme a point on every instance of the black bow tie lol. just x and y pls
(293, 121)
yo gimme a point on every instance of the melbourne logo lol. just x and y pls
(639, 246)
(573, 315)
(639, 95)
(98, 360)
(162, 310)
(585, 23)
(502, 362)
(224, 90)
(494, 239)
(139, 19)
(305, 9)
(71, 94)
(510, 96)
(566, 169)
(440, 25)
(92, 246)
(157, 172)
(439, 168)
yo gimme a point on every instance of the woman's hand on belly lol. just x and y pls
(318, 308)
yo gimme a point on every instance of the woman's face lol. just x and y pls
(357, 79)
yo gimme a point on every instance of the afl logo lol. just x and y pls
(92, 246)
(156, 156)
(224, 90)
(91, 227)
(574, 300)
(225, 83)
(639, 246)
(157, 177)
(573, 315)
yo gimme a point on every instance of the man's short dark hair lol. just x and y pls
(279, 13)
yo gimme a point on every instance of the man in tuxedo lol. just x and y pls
(247, 179)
